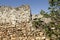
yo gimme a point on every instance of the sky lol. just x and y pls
(35, 5)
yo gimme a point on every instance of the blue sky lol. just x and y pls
(35, 5)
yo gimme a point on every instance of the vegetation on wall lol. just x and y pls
(52, 29)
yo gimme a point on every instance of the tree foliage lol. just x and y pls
(52, 29)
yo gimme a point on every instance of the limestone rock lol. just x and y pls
(11, 17)
(16, 24)
(46, 20)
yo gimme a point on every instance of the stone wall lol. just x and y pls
(16, 24)
(12, 16)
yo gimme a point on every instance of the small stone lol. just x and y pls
(38, 38)
(5, 39)
(41, 33)
(53, 28)
(43, 37)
